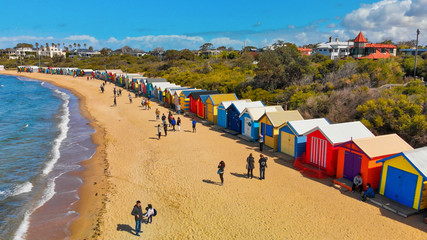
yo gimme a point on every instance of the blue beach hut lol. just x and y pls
(222, 111)
(291, 136)
(233, 114)
(250, 119)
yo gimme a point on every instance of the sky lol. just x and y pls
(187, 24)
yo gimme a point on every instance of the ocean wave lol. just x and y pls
(18, 189)
(47, 195)
(42, 83)
(63, 130)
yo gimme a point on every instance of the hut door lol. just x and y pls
(287, 143)
(352, 163)
(247, 127)
(318, 152)
(400, 186)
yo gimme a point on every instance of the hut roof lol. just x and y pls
(195, 95)
(227, 104)
(240, 106)
(257, 112)
(218, 98)
(203, 98)
(343, 132)
(380, 145)
(188, 92)
(302, 126)
(116, 71)
(152, 80)
(279, 118)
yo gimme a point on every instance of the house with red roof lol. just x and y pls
(362, 49)
(305, 51)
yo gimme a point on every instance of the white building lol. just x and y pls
(83, 53)
(32, 52)
(334, 49)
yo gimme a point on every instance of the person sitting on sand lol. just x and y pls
(137, 212)
(368, 193)
(221, 167)
(150, 213)
(357, 183)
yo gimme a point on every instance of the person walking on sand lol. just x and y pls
(170, 119)
(115, 101)
(150, 213)
(114, 91)
(137, 212)
(178, 123)
(193, 122)
(159, 131)
(173, 123)
(250, 165)
(164, 119)
(261, 142)
(130, 98)
(262, 166)
(165, 127)
(178, 109)
(157, 114)
(149, 104)
(221, 167)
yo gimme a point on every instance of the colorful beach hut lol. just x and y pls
(271, 122)
(194, 96)
(161, 90)
(184, 98)
(323, 142)
(176, 96)
(250, 119)
(361, 156)
(212, 104)
(169, 94)
(404, 178)
(291, 136)
(233, 120)
(222, 111)
(148, 85)
(201, 106)
(155, 88)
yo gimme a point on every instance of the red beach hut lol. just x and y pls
(322, 143)
(194, 97)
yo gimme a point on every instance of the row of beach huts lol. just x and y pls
(392, 167)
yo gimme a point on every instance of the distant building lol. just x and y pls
(305, 51)
(334, 49)
(83, 53)
(362, 49)
(32, 52)
(412, 51)
(1, 68)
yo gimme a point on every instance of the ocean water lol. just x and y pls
(43, 138)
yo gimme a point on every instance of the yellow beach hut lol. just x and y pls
(404, 178)
(213, 102)
(271, 122)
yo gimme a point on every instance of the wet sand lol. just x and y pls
(177, 174)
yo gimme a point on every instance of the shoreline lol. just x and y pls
(89, 207)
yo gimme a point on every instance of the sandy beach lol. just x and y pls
(177, 174)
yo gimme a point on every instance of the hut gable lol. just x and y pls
(240, 106)
(257, 112)
(279, 118)
(218, 98)
(227, 104)
(300, 127)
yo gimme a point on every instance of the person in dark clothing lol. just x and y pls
(115, 101)
(164, 119)
(159, 130)
(170, 119)
(250, 165)
(178, 123)
(368, 193)
(165, 127)
(137, 212)
(262, 165)
(193, 122)
(221, 167)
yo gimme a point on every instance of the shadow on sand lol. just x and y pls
(211, 182)
(240, 175)
(125, 227)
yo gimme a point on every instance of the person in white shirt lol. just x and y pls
(149, 214)
(357, 183)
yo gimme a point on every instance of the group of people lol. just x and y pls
(358, 185)
(171, 120)
(146, 103)
(139, 215)
(250, 166)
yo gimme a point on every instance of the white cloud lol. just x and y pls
(388, 19)
(331, 25)
(85, 38)
(226, 41)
